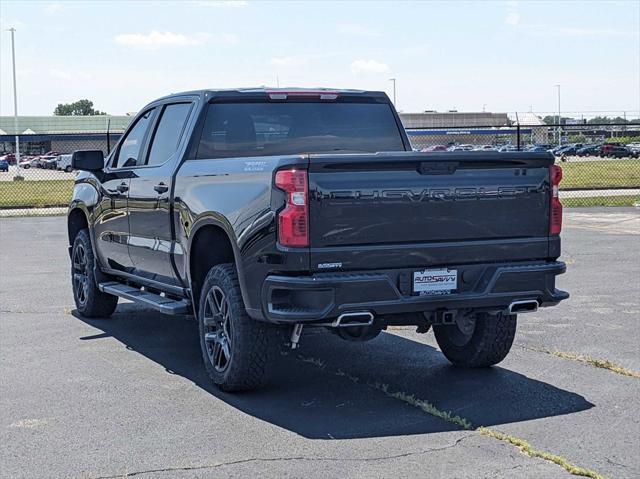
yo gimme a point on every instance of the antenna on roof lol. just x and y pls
(108, 136)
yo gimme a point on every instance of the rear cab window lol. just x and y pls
(265, 128)
(168, 133)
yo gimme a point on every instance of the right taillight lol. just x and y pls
(555, 216)
(293, 220)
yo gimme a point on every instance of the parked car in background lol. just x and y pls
(617, 151)
(485, 148)
(9, 158)
(64, 163)
(589, 150)
(507, 148)
(606, 148)
(435, 148)
(461, 148)
(4, 165)
(48, 162)
(554, 150)
(567, 150)
(536, 148)
(28, 162)
(635, 147)
(40, 161)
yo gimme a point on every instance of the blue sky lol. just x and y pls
(445, 55)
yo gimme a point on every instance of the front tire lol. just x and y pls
(90, 301)
(236, 349)
(483, 343)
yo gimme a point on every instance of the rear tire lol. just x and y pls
(90, 301)
(236, 349)
(487, 344)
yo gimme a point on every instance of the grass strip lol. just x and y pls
(596, 363)
(527, 449)
(37, 194)
(600, 174)
(618, 200)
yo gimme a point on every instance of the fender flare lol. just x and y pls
(81, 206)
(221, 222)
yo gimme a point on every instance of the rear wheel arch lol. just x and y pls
(203, 255)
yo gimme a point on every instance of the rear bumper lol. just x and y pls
(289, 299)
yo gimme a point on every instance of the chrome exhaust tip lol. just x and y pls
(353, 319)
(526, 306)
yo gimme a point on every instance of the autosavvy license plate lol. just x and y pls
(435, 281)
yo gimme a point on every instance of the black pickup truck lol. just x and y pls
(259, 211)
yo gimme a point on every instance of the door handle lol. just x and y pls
(161, 188)
(122, 187)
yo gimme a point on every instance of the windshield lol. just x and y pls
(263, 128)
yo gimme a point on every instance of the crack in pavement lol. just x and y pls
(291, 458)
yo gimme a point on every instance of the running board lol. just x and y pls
(155, 301)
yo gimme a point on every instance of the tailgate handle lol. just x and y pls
(438, 168)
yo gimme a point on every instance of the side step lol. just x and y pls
(155, 301)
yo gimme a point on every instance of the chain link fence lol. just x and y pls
(601, 162)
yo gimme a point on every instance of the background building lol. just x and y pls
(65, 134)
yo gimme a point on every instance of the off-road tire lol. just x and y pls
(489, 343)
(90, 302)
(252, 343)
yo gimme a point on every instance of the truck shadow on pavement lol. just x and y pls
(323, 390)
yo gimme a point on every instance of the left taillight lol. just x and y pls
(293, 220)
(555, 213)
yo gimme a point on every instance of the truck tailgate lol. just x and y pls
(410, 209)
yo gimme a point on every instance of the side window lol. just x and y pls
(168, 133)
(131, 146)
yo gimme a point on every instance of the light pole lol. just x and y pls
(394, 91)
(559, 118)
(15, 105)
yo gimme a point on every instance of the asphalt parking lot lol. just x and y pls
(36, 174)
(128, 396)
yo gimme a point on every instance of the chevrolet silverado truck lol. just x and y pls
(261, 211)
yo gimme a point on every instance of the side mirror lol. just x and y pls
(88, 160)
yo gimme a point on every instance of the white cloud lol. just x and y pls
(368, 66)
(69, 74)
(53, 8)
(155, 39)
(288, 61)
(357, 30)
(14, 23)
(513, 18)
